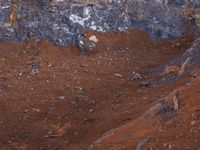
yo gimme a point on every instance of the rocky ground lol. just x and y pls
(129, 92)
(77, 75)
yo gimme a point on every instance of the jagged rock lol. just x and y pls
(197, 17)
(86, 44)
(62, 21)
(170, 103)
(172, 69)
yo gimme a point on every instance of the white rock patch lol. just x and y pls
(93, 38)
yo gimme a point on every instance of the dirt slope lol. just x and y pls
(58, 98)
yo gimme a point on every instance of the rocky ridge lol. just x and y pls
(62, 22)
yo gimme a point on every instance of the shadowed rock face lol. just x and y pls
(62, 21)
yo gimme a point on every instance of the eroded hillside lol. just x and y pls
(76, 75)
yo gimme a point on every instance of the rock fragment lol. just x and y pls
(172, 69)
(118, 75)
(86, 44)
(61, 97)
(144, 84)
(171, 103)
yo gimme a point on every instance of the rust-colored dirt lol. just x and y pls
(60, 99)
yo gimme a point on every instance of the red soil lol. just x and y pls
(75, 98)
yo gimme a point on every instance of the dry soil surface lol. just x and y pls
(55, 98)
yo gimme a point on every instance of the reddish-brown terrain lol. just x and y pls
(55, 98)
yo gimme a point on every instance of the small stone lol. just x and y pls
(35, 109)
(172, 100)
(84, 44)
(120, 93)
(144, 84)
(34, 72)
(118, 75)
(136, 76)
(19, 74)
(80, 90)
(172, 69)
(176, 105)
(61, 97)
(50, 65)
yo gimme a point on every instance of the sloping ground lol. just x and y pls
(171, 122)
(155, 130)
(58, 98)
(178, 131)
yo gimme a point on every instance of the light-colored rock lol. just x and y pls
(171, 69)
(93, 38)
(14, 16)
(172, 100)
(197, 17)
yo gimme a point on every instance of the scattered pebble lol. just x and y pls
(144, 84)
(27, 110)
(136, 76)
(118, 75)
(35, 109)
(61, 97)
(176, 105)
(19, 74)
(34, 72)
